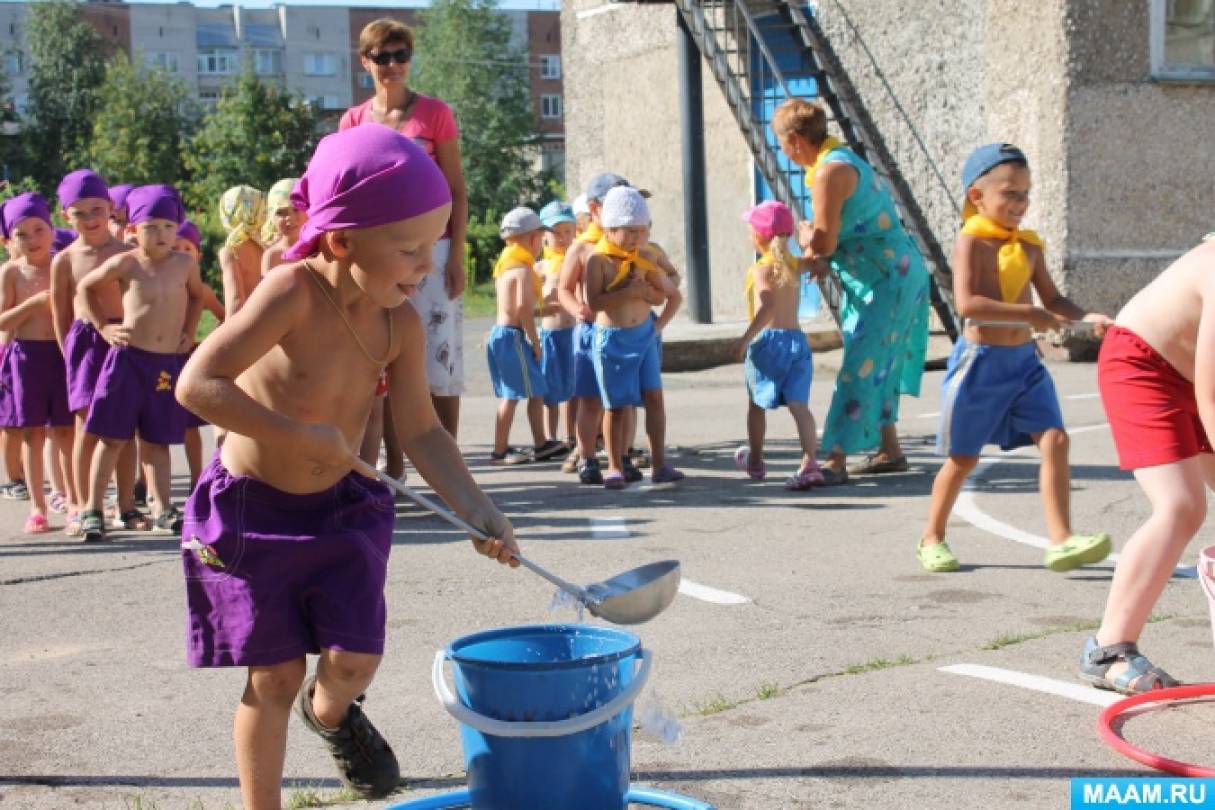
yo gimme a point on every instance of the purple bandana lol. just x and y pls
(24, 206)
(118, 196)
(80, 184)
(155, 202)
(362, 177)
(189, 231)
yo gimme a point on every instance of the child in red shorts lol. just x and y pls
(1157, 378)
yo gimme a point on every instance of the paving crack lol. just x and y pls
(65, 574)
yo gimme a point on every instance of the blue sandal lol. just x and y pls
(1096, 661)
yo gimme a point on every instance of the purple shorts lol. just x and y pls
(135, 391)
(272, 576)
(6, 388)
(85, 350)
(36, 384)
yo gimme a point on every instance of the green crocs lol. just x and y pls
(1078, 550)
(936, 558)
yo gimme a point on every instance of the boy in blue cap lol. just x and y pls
(996, 390)
(557, 328)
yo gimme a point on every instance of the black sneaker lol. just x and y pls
(550, 449)
(92, 526)
(168, 522)
(589, 472)
(365, 761)
(631, 474)
(16, 491)
(510, 457)
(141, 492)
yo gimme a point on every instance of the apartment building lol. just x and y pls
(311, 50)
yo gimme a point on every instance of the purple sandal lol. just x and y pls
(742, 460)
(614, 480)
(666, 475)
(806, 478)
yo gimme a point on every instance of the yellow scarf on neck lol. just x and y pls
(829, 143)
(749, 288)
(629, 259)
(592, 234)
(553, 259)
(518, 256)
(1015, 268)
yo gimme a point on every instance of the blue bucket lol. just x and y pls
(546, 714)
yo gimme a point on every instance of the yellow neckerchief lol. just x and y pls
(1015, 269)
(518, 256)
(829, 143)
(605, 248)
(592, 234)
(749, 288)
(553, 260)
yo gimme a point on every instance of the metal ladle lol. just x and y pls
(633, 597)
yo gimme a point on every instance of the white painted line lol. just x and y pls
(932, 415)
(706, 594)
(609, 528)
(1073, 691)
(1083, 396)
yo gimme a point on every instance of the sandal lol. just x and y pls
(806, 478)
(936, 557)
(72, 528)
(549, 449)
(831, 478)
(135, 521)
(92, 526)
(742, 460)
(570, 465)
(168, 522)
(36, 524)
(57, 501)
(1078, 550)
(614, 480)
(631, 474)
(1096, 661)
(872, 466)
(666, 474)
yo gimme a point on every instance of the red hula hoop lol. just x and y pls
(1114, 740)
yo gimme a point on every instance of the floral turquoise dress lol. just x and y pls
(884, 313)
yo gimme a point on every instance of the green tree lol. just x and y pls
(464, 56)
(10, 144)
(139, 129)
(67, 67)
(256, 135)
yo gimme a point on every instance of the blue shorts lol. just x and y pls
(512, 366)
(585, 383)
(626, 363)
(557, 364)
(779, 368)
(995, 395)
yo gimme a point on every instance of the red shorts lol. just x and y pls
(1151, 407)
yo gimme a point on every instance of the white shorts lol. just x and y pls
(443, 320)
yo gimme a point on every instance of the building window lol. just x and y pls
(268, 61)
(208, 98)
(326, 102)
(550, 66)
(1183, 39)
(366, 82)
(21, 103)
(165, 60)
(14, 63)
(218, 61)
(550, 106)
(320, 64)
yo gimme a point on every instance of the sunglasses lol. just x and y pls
(386, 57)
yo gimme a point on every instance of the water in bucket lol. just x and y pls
(525, 698)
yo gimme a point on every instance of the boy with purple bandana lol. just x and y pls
(85, 199)
(119, 212)
(33, 365)
(285, 549)
(162, 297)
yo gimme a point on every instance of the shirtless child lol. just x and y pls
(162, 297)
(557, 327)
(83, 195)
(242, 212)
(33, 364)
(283, 223)
(285, 549)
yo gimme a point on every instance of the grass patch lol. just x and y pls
(479, 300)
(302, 798)
(1009, 639)
(767, 690)
(206, 325)
(879, 663)
(717, 705)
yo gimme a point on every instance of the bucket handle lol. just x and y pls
(553, 728)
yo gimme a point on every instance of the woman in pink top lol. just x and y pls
(386, 51)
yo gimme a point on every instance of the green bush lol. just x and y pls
(484, 246)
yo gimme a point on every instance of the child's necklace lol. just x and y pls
(379, 364)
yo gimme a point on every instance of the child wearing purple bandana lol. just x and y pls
(162, 295)
(285, 548)
(32, 366)
(85, 200)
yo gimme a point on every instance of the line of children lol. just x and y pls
(776, 352)
(514, 348)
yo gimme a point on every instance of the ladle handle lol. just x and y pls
(366, 469)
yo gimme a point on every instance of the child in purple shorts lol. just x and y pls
(285, 549)
(162, 297)
(33, 366)
(85, 200)
(189, 241)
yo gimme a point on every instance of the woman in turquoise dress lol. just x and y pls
(856, 233)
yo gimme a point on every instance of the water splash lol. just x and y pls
(656, 719)
(563, 601)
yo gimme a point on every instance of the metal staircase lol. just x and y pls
(764, 51)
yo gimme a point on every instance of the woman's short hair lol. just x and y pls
(378, 33)
(806, 118)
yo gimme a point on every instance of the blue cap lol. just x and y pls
(987, 157)
(555, 213)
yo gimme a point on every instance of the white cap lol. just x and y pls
(624, 207)
(580, 206)
(519, 221)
